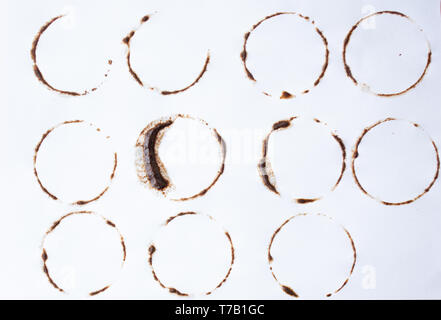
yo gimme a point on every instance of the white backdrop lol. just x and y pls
(398, 246)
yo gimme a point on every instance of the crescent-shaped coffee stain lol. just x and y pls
(151, 170)
(356, 154)
(39, 74)
(153, 249)
(288, 290)
(137, 78)
(348, 69)
(45, 256)
(154, 168)
(244, 54)
(50, 193)
(267, 174)
(264, 166)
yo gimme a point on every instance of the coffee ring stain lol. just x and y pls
(356, 154)
(45, 257)
(50, 193)
(40, 75)
(137, 78)
(288, 290)
(244, 54)
(150, 169)
(264, 166)
(348, 69)
(153, 249)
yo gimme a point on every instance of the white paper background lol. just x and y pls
(402, 244)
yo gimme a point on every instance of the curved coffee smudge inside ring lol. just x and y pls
(40, 75)
(45, 257)
(137, 78)
(153, 163)
(355, 155)
(152, 250)
(348, 39)
(244, 54)
(288, 290)
(267, 174)
(52, 195)
(150, 168)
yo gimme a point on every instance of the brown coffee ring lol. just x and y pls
(244, 54)
(49, 193)
(150, 169)
(137, 78)
(264, 166)
(152, 249)
(44, 255)
(349, 71)
(40, 75)
(355, 155)
(288, 290)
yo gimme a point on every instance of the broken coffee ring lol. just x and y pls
(244, 54)
(52, 195)
(356, 154)
(264, 167)
(45, 257)
(150, 169)
(288, 290)
(348, 68)
(137, 78)
(152, 249)
(40, 75)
